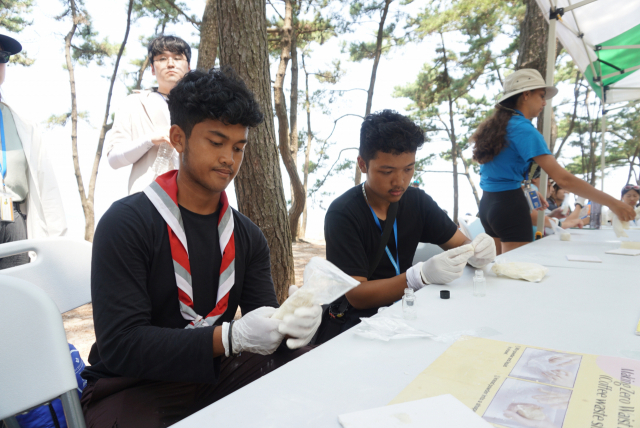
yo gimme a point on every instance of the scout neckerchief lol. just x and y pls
(396, 262)
(163, 194)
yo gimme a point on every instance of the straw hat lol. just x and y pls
(525, 79)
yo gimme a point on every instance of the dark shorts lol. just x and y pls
(506, 215)
(135, 403)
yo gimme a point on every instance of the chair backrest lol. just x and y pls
(62, 268)
(425, 251)
(34, 361)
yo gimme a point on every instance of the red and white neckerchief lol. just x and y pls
(163, 194)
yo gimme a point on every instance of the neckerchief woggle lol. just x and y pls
(163, 194)
(396, 262)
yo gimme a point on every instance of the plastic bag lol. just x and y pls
(531, 272)
(620, 226)
(323, 283)
(386, 328)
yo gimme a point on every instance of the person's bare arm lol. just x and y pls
(568, 181)
(380, 292)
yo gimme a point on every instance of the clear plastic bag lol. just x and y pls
(386, 328)
(531, 272)
(323, 283)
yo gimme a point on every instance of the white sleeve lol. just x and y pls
(124, 154)
(121, 149)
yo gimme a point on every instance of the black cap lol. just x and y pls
(444, 294)
(10, 44)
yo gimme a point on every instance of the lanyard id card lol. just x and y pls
(532, 197)
(6, 208)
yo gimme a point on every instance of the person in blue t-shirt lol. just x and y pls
(506, 145)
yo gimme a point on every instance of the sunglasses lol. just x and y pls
(4, 57)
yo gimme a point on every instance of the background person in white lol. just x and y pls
(29, 180)
(142, 123)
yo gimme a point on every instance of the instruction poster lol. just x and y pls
(519, 386)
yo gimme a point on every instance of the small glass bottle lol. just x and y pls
(479, 284)
(409, 305)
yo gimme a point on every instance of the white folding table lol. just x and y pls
(575, 309)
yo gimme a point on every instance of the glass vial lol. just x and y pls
(479, 284)
(409, 305)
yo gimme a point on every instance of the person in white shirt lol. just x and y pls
(28, 180)
(142, 123)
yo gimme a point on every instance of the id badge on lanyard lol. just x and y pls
(6, 202)
(532, 197)
(6, 208)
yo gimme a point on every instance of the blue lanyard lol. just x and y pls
(4, 149)
(396, 262)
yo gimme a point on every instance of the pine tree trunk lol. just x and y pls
(293, 118)
(307, 152)
(259, 182)
(532, 52)
(297, 194)
(467, 173)
(374, 70)
(208, 36)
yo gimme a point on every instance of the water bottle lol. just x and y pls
(409, 305)
(164, 160)
(479, 284)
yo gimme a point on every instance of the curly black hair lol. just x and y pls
(388, 131)
(491, 136)
(218, 94)
(168, 43)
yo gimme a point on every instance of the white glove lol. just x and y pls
(447, 266)
(255, 332)
(301, 326)
(582, 201)
(484, 251)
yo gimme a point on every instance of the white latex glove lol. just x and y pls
(484, 251)
(301, 326)
(447, 266)
(255, 332)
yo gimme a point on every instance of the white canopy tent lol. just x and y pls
(603, 39)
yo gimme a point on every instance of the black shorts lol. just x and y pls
(506, 215)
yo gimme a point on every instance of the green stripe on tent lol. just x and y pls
(621, 58)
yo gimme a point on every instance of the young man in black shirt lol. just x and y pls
(354, 223)
(170, 267)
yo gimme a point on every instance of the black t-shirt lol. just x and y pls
(139, 328)
(353, 237)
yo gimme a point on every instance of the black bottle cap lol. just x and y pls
(444, 294)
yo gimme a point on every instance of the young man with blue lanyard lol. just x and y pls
(355, 222)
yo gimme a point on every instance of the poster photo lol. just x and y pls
(517, 386)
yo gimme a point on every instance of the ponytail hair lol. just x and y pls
(491, 136)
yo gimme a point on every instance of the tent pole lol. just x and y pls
(548, 111)
(602, 152)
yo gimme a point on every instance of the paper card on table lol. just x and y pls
(436, 412)
(591, 259)
(519, 386)
(624, 252)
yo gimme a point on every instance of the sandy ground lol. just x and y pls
(79, 323)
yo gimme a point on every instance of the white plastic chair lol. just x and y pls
(62, 268)
(424, 252)
(35, 362)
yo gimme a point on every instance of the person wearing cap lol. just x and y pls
(506, 145)
(28, 180)
(142, 124)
